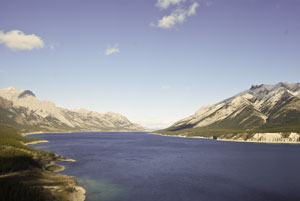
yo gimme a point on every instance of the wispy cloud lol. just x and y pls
(177, 15)
(112, 50)
(17, 40)
(165, 87)
(192, 9)
(164, 4)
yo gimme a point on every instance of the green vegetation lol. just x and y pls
(15, 156)
(204, 132)
(228, 133)
(12, 191)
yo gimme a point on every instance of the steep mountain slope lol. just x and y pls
(261, 108)
(21, 109)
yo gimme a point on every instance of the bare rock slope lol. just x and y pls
(21, 109)
(262, 108)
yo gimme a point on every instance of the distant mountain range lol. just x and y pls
(23, 111)
(260, 109)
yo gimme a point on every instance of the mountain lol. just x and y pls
(262, 108)
(21, 109)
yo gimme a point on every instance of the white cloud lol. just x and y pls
(192, 9)
(165, 87)
(177, 16)
(17, 40)
(164, 4)
(112, 50)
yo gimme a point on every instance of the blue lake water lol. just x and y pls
(145, 167)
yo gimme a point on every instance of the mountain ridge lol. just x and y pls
(261, 109)
(20, 108)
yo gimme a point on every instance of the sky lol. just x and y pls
(154, 61)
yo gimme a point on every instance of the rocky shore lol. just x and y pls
(55, 186)
(288, 138)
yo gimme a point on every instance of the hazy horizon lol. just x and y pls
(154, 62)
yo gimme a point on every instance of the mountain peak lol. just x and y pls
(26, 93)
(11, 88)
(259, 107)
(81, 110)
(45, 116)
(14, 93)
(253, 87)
(286, 85)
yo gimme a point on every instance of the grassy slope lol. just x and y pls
(15, 156)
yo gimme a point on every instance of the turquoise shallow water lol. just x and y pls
(145, 167)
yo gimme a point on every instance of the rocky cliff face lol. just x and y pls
(262, 107)
(21, 108)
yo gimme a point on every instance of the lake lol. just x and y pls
(124, 166)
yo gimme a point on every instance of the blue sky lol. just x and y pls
(154, 61)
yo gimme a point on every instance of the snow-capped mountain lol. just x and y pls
(260, 107)
(21, 108)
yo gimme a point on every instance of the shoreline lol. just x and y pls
(36, 142)
(256, 141)
(41, 132)
(65, 132)
(71, 191)
(229, 140)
